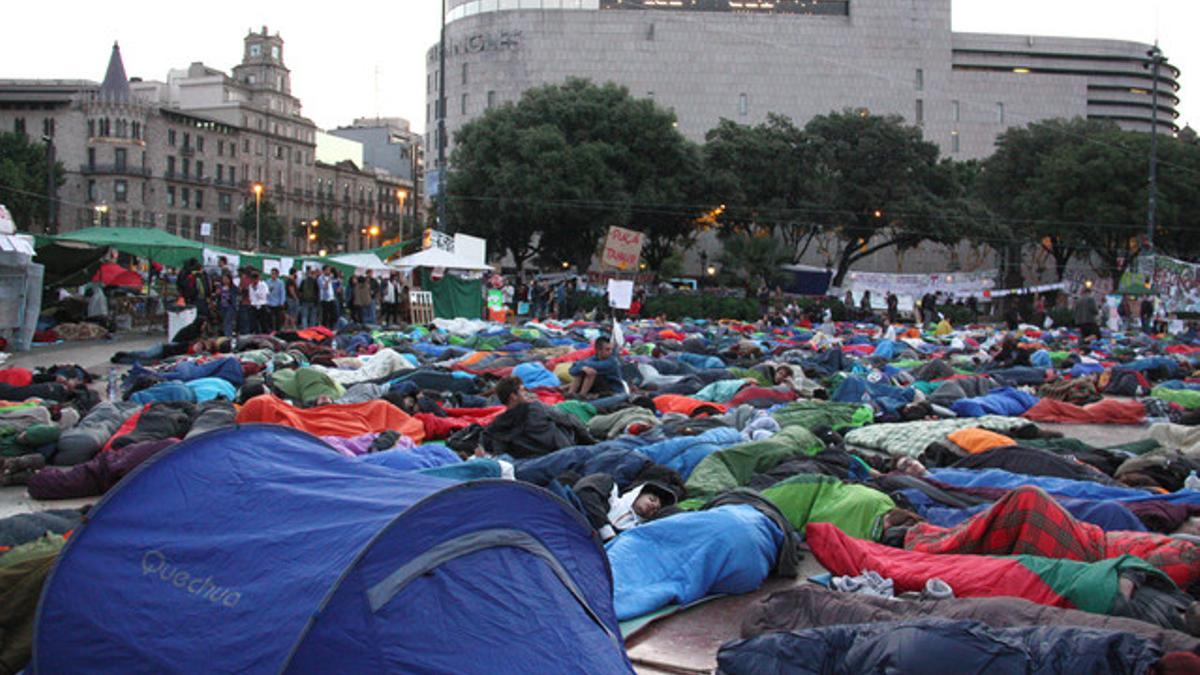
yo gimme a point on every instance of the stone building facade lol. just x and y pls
(713, 59)
(187, 151)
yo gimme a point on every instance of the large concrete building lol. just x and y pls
(713, 59)
(178, 153)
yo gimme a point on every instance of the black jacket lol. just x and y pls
(533, 430)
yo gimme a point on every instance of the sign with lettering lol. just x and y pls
(622, 248)
(479, 43)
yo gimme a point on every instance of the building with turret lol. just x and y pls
(180, 153)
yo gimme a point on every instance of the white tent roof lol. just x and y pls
(436, 257)
(366, 261)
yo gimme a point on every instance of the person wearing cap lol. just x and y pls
(610, 512)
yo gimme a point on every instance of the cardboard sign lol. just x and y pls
(620, 294)
(206, 229)
(622, 248)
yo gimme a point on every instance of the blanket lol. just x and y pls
(911, 438)
(814, 414)
(1005, 401)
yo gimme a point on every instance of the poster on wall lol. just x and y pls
(1177, 284)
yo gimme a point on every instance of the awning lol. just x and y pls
(436, 257)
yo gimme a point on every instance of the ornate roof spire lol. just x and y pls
(116, 85)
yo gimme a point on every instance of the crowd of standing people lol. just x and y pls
(242, 300)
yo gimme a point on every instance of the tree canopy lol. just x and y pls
(548, 175)
(23, 179)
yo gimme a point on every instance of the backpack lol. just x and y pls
(464, 441)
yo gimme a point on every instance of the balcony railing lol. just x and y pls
(126, 170)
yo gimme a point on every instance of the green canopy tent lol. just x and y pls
(152, 244)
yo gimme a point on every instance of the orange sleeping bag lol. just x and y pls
(345, 421)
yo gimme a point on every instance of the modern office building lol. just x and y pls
(744, 59)
(178, 153)
(713, 59)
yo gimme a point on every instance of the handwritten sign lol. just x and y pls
(622, 248)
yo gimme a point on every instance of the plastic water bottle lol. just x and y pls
(1192, 482)
(112, 385)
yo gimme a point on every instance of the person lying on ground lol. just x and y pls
(600, 374)
(529, 428)
(609, 512)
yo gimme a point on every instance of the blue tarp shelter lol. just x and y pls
(258, 549)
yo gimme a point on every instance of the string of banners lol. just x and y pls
(1005, 292)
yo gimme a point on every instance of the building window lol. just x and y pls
(199, 144)
(171, 137)
(120, 191)
(119, 159)
(255, 50)
(187, 141)
(171, 223)
(220, 172)
(245, 145)
(137, 130)
(464, 104)
(185, 197)
(957, 111)
(91, 128)
(920, 112)
(91, 190)
(187, 167)
(220, 148)
(954, 144)
(170, 166)
(491, 100)
(999, 113)
(91, 158)
(199, 169)
(19, 125)
(232, 175)
(920, 82)
(429, 83)
(48, 127)
(466, 69)
(170, 195)
(199, 200)
(428, 113)
(743, 105)
(224, 203)
(275, 52)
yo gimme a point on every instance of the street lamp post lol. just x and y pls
(101, 214)
(1156, 61)
(258, 190)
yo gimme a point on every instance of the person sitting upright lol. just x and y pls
(600, 374)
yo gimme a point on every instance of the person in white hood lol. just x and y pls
(610, 512)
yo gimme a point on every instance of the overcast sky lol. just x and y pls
(361, 60)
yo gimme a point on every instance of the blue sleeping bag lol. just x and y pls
(620, 458)
(1019, 376)
(228, 369)
(535, 375)
(1006, 402)
(682, 454)
(680, 559)
(429, 456)
(476, 468)
(998, 478)
(887, 397)
(210, 388)
(162, 392)
(700, 361)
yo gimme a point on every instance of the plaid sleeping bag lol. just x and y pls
(1027, 521)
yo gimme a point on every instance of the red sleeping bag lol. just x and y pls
(1108, 411)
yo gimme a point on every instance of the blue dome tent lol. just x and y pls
(258, 549)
